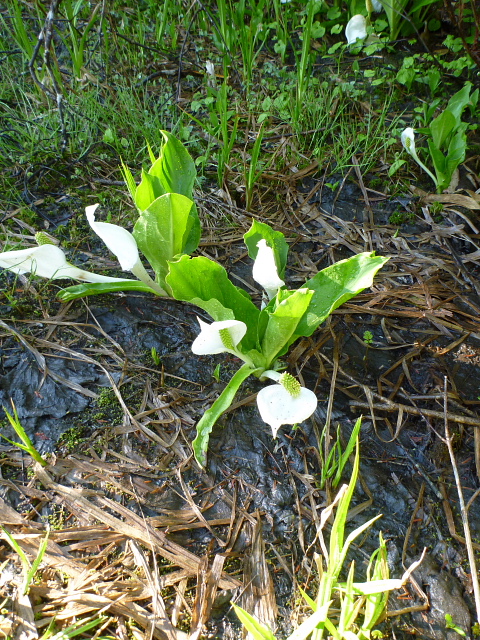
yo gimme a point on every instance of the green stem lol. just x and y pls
(221, 404)
(418, 161)
(141, 273)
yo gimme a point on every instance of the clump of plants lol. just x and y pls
(167, 232)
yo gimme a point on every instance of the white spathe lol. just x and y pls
(210, 340)
(277, 406)
(124, 246)
(265, 270)
(118, 240)
(48, 261)
(408, 140)
(377, 6)
(356, 29)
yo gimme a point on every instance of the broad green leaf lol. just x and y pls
(335, 285)
(418, 4)
(459, 101)
(442, 127)
(149, 189)
(97, 288)
(221, 404)
(440, 166)
(283, 322)
(161, 230)
(193, 231)
(253, 626)
(174, 167)
(205, 283)
(275, 240)
(394, 10)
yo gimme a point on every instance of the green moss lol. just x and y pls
(401, 217)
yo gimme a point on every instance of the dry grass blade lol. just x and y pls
(134, 527)
(259, 595)
(158, 605)
(207, 585)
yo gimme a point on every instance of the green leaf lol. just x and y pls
(283, 322)
(161, 230)
(221, 404)
(459, 101)
(348, 450)
(253, 626)
(440, 166)
(193, 231)
(275, 240)
(205, 283)
(129, 180)
(442, 127)
(97, 288)
(149, 189)
(335, 285)
(456, 151)
(174, 167)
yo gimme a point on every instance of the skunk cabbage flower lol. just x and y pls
(377, 6)
(408, 140)
(47, 261)
(219, 337)
(124, 246)
(118, 240)
(286, 402)
(265, 270)
(356, 29)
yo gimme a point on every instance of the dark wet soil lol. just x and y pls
(276, 478)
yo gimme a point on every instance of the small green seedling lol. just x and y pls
(26, 444)
(449, 623)
(29, 569)
(155, 356)
(368, 337)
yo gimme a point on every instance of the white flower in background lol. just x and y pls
(219, 337)
(408, 140)
(47, 261)
(286, 402)
(377, 6)
(123, 245)
(265, 270)
(356, 29)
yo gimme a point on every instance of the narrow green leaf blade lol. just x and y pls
(253, 626)
(221, 404)
(335, 285)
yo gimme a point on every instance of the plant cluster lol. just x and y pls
(167, 231)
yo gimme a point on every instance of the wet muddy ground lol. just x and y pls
(423, 318)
